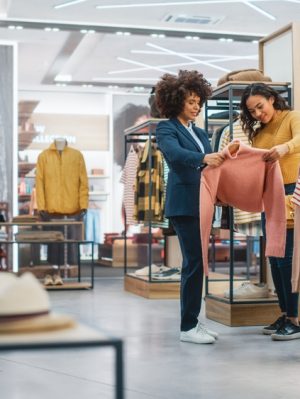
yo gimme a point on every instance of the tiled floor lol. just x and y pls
(242, 364)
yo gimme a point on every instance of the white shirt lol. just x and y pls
(195, 137)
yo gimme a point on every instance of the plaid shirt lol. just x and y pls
(143, 210)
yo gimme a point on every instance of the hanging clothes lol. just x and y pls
(142, 186)
(128, 178)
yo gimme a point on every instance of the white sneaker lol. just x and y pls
(197, 335)
(248, 290)
(209, 332)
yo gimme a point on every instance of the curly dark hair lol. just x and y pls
(171, 91)
(258, 89)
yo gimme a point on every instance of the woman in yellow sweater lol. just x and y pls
(270, 124)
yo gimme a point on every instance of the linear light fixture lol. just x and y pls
(187, 57)
(265, 13)
(68, 3)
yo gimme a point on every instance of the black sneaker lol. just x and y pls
(287, 332)
(272, 328)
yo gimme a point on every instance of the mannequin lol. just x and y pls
(61, 181)
(62, 193)
(60, 143)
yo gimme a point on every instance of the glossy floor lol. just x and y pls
(242, 364)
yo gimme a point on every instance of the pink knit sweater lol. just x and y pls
(246, 182)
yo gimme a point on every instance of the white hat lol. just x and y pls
(25, 306)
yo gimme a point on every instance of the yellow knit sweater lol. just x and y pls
(284, 128)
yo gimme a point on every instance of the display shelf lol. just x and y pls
(146, 287)
(10, 242)
(151, 290)
(231, 311)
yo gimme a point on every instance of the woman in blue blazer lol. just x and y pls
(187, 150)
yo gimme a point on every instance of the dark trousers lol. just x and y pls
(188, 231)
(281, 269)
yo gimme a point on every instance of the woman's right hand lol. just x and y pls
(215, 159)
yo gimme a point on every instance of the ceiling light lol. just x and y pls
(68, 3)
(49, 29)
(63, 78)
(254, 41)
(87, 85)
(188, 37)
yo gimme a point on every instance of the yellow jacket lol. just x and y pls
(61, 181)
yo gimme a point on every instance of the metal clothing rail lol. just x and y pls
(228, 95)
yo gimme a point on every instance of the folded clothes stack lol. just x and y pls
(24, 219)
(39, 235)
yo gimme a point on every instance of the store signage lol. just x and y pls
(83, 132)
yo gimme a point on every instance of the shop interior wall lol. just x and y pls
(94, 143)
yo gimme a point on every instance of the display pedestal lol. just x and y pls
(152, 290)
(254, 313)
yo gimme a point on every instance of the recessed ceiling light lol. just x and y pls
(63, 78)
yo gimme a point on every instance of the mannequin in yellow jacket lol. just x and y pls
(61, 181)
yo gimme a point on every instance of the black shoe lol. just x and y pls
(287, 332)
(272, 328)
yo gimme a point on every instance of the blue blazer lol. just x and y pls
(184, 158)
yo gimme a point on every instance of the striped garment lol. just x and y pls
(128, 179)
(296, 195)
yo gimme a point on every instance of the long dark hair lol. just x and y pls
(258, 89)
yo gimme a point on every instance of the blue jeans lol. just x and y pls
(92, 225)
(281, 269)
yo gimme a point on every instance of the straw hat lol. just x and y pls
(25, 306)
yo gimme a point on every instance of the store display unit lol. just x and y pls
(82, 337)
(69, 283)
(146, 286)
(230, 311)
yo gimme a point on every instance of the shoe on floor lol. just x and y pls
(57, 280)
(209, 332)
(197, 335)
(48, 280)
(287, 332)
(272, 328)
(248, 290)
(154, 269)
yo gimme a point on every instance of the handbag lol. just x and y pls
(290, 211)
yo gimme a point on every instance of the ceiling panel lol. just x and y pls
(104, 59)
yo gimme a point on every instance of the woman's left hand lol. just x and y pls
(276, 153)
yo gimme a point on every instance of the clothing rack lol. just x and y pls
(227, 97)
(141, 133)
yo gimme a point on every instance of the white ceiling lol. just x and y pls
(221, 43)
